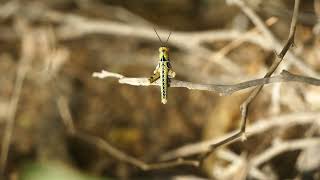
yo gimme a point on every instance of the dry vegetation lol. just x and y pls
(55, 115)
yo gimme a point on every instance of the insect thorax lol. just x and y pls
(164, 53)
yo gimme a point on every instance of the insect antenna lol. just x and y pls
(157, 35)
(168, 37)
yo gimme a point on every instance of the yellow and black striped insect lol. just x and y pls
(163, 70)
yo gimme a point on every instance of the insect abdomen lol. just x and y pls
(164, 81)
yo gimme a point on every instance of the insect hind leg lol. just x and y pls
(154, 77)
(171, 73)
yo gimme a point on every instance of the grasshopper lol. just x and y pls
(163, 70)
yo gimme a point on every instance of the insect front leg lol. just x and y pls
(157, 69)
(156, 74)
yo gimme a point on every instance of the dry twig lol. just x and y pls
(74, 26)
(108, 148)
(259, 127)
(245, 105)
(221, 89)
(292, 58)
(27, 52)
(281, 147)
(112, 151)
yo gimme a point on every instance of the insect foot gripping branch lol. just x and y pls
(163, 70)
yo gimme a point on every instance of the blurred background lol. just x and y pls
(50, 48)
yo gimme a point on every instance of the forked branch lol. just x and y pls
(245, 105)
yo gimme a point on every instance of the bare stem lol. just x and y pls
(221, 89)
(27, 49)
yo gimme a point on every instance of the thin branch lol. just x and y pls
(259, 127)
(12, 109)
(102, 144)
(279, 148)
(221, 89)
(245, 105)
(81, 26)
(74, 26)
(27, 50)
(62, 104)
(105, 146)
(237, 42)
(282, 147)
(274, 41)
